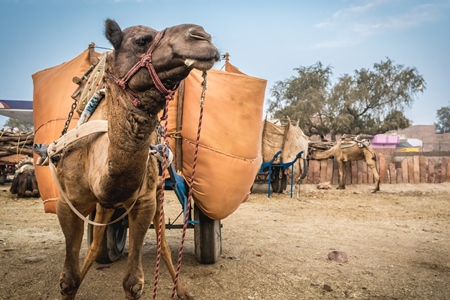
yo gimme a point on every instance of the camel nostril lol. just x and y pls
(199, 34)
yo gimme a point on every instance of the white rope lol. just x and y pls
(80, 215)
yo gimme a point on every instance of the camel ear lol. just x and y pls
(113, 33)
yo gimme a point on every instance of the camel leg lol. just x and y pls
(342, 174)
(34, 185)
(376, 176)
(72, 227)
(182, 293)
(139, 218)
(102, 215)
(28, 189)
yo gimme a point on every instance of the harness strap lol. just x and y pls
(85, 129)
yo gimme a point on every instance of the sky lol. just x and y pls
(265, 39)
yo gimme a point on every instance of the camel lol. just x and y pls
(345, 151)
(114, 169)
(24, 183)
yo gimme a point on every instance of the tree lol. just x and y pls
(20, 125)
(370, 101)
(443, 119)
(304, 98)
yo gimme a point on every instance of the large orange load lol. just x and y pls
(230, 144)
(52, 102)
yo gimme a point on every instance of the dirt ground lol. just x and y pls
(397, 242)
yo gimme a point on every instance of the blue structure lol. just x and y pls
(17, 109)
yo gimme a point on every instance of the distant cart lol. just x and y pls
(282, 145)
(274, 173)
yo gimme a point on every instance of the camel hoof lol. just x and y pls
(340, 188)
(65, 288)
(136, 291)
(185, 296)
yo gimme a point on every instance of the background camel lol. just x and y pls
(345, 151)
(24, 183)
(114, 169)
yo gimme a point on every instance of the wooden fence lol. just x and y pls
(410, 169)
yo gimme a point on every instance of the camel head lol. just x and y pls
(180, 49)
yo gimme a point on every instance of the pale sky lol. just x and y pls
(265, 39)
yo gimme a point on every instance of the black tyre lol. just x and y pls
(114, 240)
(275, 181)
(207, 237)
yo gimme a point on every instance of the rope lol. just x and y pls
(18, 142)
(49, 121)
(161, 199)
(191, 184)
(75, 211)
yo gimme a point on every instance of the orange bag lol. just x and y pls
(52, 101)
(230, 144)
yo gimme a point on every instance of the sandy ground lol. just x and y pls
(397, 242)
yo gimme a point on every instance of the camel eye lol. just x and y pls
(142, 41)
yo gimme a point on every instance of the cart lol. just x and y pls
(207, 232)
(274, 173)
(227, 90)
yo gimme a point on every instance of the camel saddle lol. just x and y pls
(348, 141)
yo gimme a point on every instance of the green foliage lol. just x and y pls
(370, 101)
(20, 125)
(443, 119)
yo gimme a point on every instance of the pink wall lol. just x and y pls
(384, 141)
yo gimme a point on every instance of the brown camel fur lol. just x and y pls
(113, 169)
(343, 152)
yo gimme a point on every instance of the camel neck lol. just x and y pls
(325, 154)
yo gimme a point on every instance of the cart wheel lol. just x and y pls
(283, 184)
(275, 181)
(207, 237)
(114, 239)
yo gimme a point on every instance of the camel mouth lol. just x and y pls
(199, 64)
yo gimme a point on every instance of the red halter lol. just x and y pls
(146, 61)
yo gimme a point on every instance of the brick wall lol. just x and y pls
(394, 167)
(425, 133)
(430, 165)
